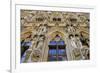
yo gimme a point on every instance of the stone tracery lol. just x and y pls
(42, 26)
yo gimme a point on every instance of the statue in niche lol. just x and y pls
(78, 42)
(76, 46)
(75, 41)
(42, 29)
(72, 41)
(70, 29)
(37, 51)
(40, 42)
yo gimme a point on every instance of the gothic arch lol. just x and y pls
(51, 33)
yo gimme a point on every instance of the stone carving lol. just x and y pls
(45, 22)
(77, 54)
(70, 29)
(72, 41)
(86, 52)
(28, 52)
(36, 55)
(55, 17)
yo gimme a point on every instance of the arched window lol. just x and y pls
(57, 50)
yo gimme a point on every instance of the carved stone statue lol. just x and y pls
(71, 29)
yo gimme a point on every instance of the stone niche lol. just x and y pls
(33, 23)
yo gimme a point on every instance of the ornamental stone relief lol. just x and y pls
(41, 27)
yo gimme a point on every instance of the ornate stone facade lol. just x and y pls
(41, 27)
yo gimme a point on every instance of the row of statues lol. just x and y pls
(38, 43)
(77, 48)
(38, 40)
(79, 44)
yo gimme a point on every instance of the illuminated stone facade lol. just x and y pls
(39, 28)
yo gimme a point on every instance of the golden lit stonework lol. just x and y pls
(54, 36)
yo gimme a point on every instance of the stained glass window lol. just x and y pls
(57, 51)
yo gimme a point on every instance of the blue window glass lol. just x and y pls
(61, 58)
(27, 44)
(52, 58)
(61, 52)
(52, 52)
(61, 43)
(57, 51)
(52, 43)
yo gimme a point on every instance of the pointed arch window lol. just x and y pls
(57, 50)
